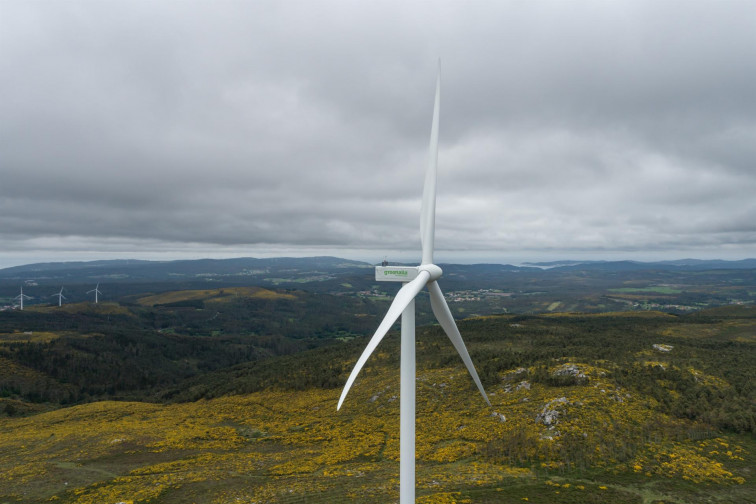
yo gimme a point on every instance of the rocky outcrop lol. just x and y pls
(549, 415)
(661, 347)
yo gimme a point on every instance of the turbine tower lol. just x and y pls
(96, 290)
(21, 297)
(414, 279)
(60, 296)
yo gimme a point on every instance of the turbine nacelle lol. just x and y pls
(406, 273)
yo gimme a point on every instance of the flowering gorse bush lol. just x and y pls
(273, 446)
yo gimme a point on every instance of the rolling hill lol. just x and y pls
(624, 407)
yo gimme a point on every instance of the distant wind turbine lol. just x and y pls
(96, 290)
(60, 296)
(21, 297)
(414, 279)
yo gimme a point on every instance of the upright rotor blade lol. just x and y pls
(444, 317)
(428, 209)
(403, 298)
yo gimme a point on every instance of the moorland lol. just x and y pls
(217, 381)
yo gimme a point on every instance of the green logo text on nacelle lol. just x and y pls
(395, 273)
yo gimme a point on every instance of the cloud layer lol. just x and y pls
(145, 127)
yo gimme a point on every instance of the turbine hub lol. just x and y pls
(434, 271)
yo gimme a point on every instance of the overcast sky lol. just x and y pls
(173, 129)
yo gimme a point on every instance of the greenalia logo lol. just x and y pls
(395, 272)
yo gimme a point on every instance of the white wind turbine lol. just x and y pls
(60, 296)
(415, 278)
(96, 290)
(21, 297)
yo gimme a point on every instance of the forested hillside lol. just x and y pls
(191, 391)
(703, 360)
(623, 407)
(85, 351)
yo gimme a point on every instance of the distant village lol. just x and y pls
(475, 295)
(452, 296)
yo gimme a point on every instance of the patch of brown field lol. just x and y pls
(269, 294)
(741, 330)
(28, 337)
(212, 295)
(635, 314)
(84, 307)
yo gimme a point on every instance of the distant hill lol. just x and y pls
(129, 270)
(687, 264)
(303, 269)
(711, 264)
(590, 286)
(134, 270)
(70, 265)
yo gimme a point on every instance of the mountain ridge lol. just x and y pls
(241, 265)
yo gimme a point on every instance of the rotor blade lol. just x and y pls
(405, 295)
(428, 209)
(444, 317)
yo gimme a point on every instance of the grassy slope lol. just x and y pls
(274, 446)
(211, 294)
(610, 443)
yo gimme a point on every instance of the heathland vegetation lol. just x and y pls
(228, 395)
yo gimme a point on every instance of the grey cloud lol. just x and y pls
(618, 126)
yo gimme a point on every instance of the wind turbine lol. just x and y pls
(96, 290)
(61, 297)
(21, 297)
(414, 279)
